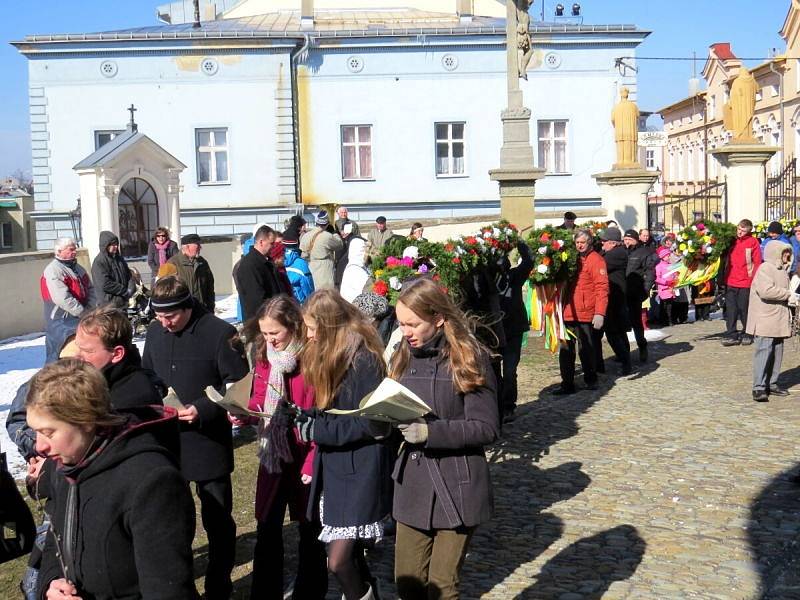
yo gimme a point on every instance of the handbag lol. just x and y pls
(17, 528)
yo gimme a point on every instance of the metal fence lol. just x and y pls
(674, 212)
(781, 200)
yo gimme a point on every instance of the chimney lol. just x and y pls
(465, 11)
(307, 14)
(196, 23)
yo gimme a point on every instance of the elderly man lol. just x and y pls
(569, 221)
(377, 238)
(195, 271)
(66, 291)
(257, 278)
(110, 272)
(585, 304)
(343, 220)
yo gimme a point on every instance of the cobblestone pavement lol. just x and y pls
(671, 483)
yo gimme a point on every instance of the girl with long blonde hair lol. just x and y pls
(442, 488)
(351, 487)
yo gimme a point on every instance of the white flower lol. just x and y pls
(560, 244)
(509, 231)
(689, 243)
(542, 269)
(495, 231)
(685, 253)
(542, 250)
(694, 227)
(480, 240)
(487, 235)
(394, 283)
(412, 252)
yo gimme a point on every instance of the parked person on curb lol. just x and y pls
(122, 512)
(190, 349)
(768, 319)
(585, 304)
(443, 491)
(351, 488)
(417, 232)
(774, 233)
(515, 324)
(285, 461)
(66, 291)
(256, 278)
(744, 257)
(569, 221)
(342, 220)
(160, 249)
(377, 238)
(356, 276)
(617, 322)
(297, 269)
(195, 271)
(110, 272)
(318, 246)
(639, 279)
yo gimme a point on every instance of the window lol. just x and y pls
(712, 108)
(212, 155)
(449, 149)
(650, 158)
(553, 146)
(356, 152)
(102, 137)
(759, 95)
(5, 236)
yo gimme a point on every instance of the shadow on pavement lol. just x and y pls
(773, 533)
(588, 568)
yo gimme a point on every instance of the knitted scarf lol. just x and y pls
(273, 432)
(162, 251)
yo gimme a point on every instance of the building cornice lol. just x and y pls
(684, 103)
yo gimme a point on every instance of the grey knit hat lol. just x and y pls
(322, 218)
(371, 305)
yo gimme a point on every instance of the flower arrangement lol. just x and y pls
(594, 226)
(760, 229)
(555, 258)
(701, 243)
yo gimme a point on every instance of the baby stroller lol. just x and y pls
(138, 310)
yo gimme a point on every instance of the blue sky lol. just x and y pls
(679, 28)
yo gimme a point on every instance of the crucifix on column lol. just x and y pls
(132, 125)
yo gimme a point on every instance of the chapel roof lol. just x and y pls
(109, 152)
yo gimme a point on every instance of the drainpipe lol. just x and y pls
(783, 126)
(298, 55)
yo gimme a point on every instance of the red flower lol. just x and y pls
(437, 278)
(554, 245)
(545, 237)
(471, 240)
(456, 261)
(449, 247)
(381, 288)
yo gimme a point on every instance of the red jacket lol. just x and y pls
(269, 484)
(743, 260)
(587, 296)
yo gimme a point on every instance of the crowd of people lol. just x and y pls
(117, 442)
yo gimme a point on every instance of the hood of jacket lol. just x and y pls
(356, 252)
(106, 239)
(774, 251)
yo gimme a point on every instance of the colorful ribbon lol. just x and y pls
(547, 314)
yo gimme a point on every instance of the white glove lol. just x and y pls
(414, 433)
(597, 321)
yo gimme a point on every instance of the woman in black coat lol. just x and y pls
(123, 518)
(160, 249)
(442, 490)
(351, 485)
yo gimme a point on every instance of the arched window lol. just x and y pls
(138, 216)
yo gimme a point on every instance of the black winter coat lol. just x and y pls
(641, 272)
(131, 515)
(110, 274)
(352, 466)
(509, 285)
(256, 281)
(206, 352)
(617, 318)
(445, 482)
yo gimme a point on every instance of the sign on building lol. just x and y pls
(652, 139)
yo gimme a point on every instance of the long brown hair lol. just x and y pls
(284, 310)
(428, 301)
(341, 330)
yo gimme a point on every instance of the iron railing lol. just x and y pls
(674, 212)
(781, 201)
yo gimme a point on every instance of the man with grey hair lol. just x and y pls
(67, 291)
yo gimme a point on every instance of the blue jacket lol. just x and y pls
(795, 252)
(782, 238)
(299, 275)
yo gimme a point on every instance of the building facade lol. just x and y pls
(273, 111)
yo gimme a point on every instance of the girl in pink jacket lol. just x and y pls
(665, 282)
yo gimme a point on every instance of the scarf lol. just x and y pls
(162, 251)
(273, 432)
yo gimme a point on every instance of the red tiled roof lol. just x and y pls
(723, 51)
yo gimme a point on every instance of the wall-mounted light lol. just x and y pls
(559, 10)
(576, 10)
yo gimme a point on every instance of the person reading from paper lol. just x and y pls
(442, 489)
(351, 487)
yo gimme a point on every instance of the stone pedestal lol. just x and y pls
(517, 192)
(624, 195)
(743, 166)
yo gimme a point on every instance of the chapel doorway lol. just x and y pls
(138, 217)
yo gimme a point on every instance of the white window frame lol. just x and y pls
(3, 242)
(551, 167)
(357, 145)
(213, 149)
(649, 158)
(110, 132)
(449, 140)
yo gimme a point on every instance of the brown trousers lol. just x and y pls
(427, 563)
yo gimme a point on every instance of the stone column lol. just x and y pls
(745, 175)
(624, 195)
(173, 211)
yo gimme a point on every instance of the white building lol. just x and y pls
(272, 112)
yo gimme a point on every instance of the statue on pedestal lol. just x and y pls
(738, 115)
(625, 119)
(524, 43)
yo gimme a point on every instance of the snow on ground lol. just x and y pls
(22, 356)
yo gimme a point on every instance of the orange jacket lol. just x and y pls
(587, 296)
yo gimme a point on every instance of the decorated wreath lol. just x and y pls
(555, 258)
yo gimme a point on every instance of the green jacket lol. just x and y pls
(196, 273)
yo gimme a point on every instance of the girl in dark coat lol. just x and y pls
(123, 518)
(286, 462)
(342, 362)
(442, 488)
